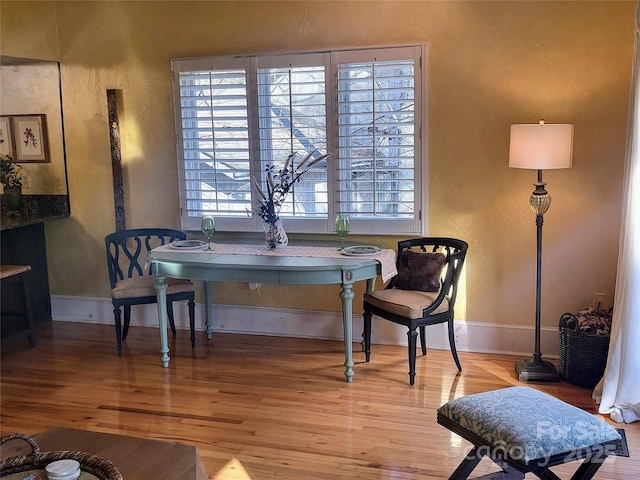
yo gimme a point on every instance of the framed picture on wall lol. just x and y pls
(30, 135)
(6, 136)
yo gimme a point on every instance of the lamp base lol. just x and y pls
(536, 370)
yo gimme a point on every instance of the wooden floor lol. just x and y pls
(272, 407)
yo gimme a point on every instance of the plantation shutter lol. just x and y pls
(214, 120)
(292, 118)
(377, 137)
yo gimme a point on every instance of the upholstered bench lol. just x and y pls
(524, 430)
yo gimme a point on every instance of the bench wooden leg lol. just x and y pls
(508, 473)
(589, 467)
(545, 474)
(511, 475)
(586, 471)
(472, 460)
(467, 465)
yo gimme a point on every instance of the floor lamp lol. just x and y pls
(539, 147)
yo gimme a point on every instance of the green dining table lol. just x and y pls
(294, 265)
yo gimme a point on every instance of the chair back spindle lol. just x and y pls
(127, 250)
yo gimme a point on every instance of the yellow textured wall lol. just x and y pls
(33, 88)
(29, 30)
(490, 63)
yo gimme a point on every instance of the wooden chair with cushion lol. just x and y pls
(132, 281)
(422, 293)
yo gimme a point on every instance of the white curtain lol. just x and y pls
(619, 390)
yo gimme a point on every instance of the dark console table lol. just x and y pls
(22, 242)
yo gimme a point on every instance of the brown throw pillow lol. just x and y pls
(419, 271)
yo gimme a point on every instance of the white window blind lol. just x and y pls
(215, 143)
(292, 118)
(235, 116)
(376, 135)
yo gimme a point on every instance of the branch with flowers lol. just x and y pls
(10, 172)
(279, 184)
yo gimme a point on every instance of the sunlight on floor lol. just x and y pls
(233, 470)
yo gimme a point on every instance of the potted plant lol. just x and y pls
(11, 179)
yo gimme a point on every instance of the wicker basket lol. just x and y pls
(100, 467)
(583, 356)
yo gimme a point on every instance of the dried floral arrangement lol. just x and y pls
(279, 184)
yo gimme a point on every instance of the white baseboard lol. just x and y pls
(470, 336)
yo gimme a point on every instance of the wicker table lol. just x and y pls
(136, 458)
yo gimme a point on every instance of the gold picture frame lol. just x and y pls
(30, 136)
(6, 136)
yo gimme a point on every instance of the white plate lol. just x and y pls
(188, 245)
(358, 250)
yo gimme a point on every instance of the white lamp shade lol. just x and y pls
(541, 146)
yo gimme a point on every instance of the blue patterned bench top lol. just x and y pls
(527, 423)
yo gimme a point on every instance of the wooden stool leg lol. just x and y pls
(31, 338)
(467, 465)
(504, 475)
(471, 461)
(507, 473)
(589, 467)
(545, 474)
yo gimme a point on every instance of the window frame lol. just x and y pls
(370, 226)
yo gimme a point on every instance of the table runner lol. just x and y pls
(386, 257)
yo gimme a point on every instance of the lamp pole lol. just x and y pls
(537, 369)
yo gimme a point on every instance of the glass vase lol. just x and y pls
(274, 235)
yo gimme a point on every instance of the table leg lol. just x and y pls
(207, 306)
(161, 292)
(347, 317)
(371, 282)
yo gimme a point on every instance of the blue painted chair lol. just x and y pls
(132, 281)
(423, 292)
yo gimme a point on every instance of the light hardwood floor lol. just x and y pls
(273, 407)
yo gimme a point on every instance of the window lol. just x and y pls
(236, 115)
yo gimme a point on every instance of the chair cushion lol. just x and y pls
(406, 303)
(144, 287)
(419, 271)
(528, 423)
